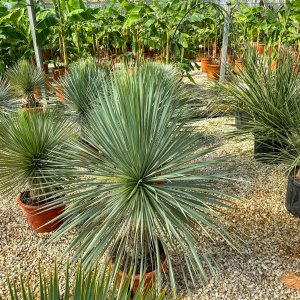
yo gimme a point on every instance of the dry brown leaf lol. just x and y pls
(291, 280)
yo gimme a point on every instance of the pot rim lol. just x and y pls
(213, 65)
(34, 207)
(293, 180)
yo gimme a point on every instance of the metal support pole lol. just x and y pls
(32, 20)
(225, 41)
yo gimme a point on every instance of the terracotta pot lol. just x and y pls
(37, 94)
(198, 59)
(157, 57)
(148, 278)
(59, 71)
(213, 71)
(47, 54)
(46, 68)
(37, 219)
(260, 47)
(229, 58)
(204, 62)
(238, 66)
(47, 82)
(58, 92)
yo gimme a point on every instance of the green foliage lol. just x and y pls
(270, 94)
(24, 79)
(5, 94)
(27, 140)
(92, 285)
(144, 182)
(82, 87)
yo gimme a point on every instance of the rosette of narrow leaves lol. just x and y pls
(148, 193)
(26, 141)
(268, 90)
(24, 79)
(94, 284)
(81, 87)
(186, 98)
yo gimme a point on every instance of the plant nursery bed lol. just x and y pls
(270, 240)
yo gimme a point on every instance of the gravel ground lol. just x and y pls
(271, 241)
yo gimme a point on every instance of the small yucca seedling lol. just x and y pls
(92, 285)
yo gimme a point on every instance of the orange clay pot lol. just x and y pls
(213, 71)
(58, 72)
(46, 68)
(229, 58)
(148, 278)
(37, 94)
(204, 62)
(238, 66)
(260, 47)
(58, 92)
(37, 219)
(157, 57)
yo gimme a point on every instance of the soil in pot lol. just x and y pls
(39, 215)
(213, 71)
(150, 272)
(204, 62)
(268, 151)
(292, 200)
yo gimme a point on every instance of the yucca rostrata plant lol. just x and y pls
(27, 138)
(26, 81)
(271, 96)
(94, 284)
(146, 196)
(81, 88)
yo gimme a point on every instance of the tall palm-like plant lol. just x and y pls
(24, 80)
(147, 195)
(92, 285)
(82, 86)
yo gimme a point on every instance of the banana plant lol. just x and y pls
(15, 37)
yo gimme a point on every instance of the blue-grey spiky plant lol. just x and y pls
(144, 193)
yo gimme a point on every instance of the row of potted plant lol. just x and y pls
(120, 163)
(265, 98)
(128, 30)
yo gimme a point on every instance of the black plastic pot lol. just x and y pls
(292, 200)
(268, 151)
(242, 119)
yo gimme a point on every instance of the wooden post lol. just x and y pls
(225, 40)
(32, 20)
